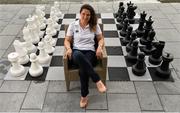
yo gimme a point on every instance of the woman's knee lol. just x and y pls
(77, 55)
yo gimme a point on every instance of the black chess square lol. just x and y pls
(110, 34)
(60, 42)
(118, 73)
(42, 77)
(69, 16)
(155, 77)
(56, 61)
(62, 27)
(108, 21)
(114, 50)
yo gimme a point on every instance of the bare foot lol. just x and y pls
(101, 87)
(83, 102)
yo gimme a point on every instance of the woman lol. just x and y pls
(83, 52)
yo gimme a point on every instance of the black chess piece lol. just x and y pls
(120, 10)
(149, 48)
(129, 3)
(156, 56)
(147, 28)
(126, 40)
(121, 24)
(120, 15)
(140, 30)
(139, 68)
(163, 70)
(132, 55)
(131, 13)
(123, 32)
(129, 45)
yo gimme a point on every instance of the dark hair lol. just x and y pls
(93, 17)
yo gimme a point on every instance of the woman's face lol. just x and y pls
(85, 15)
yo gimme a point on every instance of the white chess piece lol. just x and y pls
(43, 57)
(50, 28)
(38, 24)
(16, 69)
(56, 25)
(27, 37)
(36, 69)
(33, 29)
(42, 12)
(48, 45)
(41, 19)
(53, 14)
(57, 10)
(21, 50)
(52, 40)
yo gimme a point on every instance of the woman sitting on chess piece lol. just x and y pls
(83, 52)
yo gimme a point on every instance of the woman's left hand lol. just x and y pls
(99, 52)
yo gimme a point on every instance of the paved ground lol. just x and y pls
(51, 96)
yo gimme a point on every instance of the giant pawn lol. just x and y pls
(132, 55)
(51, 39)
(163, 70)
(120, 10)
(36, 69)
(16, 69)
(48, 45)
(139, 68)
(126, 40)
(121, 24)
(123, 32)
(43, 57)
(129, 45)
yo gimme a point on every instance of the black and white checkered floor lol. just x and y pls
(119, 69)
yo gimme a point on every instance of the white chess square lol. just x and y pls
(112, 42)
(107, 15)
(107, 74)
(55, 73)
(59, 51)
(124, 50)
(137, 16)
(9, 76)
(116, 61)
(99, 20)
(67, 21)
(110, 27)
(77, 16)
(61, 34)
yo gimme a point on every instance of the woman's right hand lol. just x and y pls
(69, 53)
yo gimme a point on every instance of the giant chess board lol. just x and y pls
(119, 68)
